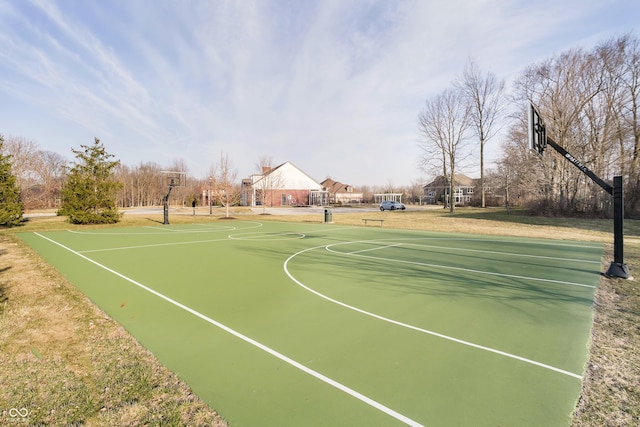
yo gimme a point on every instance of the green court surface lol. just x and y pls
(284, 324)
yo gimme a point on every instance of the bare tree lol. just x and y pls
(225, 176)
(39, 174)
(265, 181)
(485, 93)
(443, 124)
(620, 58)
(50, 174)
(516, 176)
(561, 87)
(24, 158)
(590, 101)
(145, 184)
(415, 190)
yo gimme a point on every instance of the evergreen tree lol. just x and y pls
(89, 193)
(10, 203)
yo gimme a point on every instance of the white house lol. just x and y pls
(284, 185)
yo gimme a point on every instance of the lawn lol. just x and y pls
(430, 220)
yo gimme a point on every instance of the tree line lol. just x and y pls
(40, 176)
(589, 100)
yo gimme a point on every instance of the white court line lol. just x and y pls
(373, 249)
(251, 341)
(154, 245)
(503, 253)
(165, 230)
(196, 230)
(467, 270)
(228, 238)
(184, 231)
(415, 328)
(268, 237)
(225, 239)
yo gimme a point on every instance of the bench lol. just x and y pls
(366, 220)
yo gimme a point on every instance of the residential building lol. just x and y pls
(341, 194)
(438, 190)
(283, 185)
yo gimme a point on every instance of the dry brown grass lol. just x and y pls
(69, 364)
(611, 387)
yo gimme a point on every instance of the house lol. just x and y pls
(438, 190)
(340, 193)
(283, 185)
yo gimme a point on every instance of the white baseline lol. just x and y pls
(251, 341)
(415, 328)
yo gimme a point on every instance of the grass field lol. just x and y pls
(315, 324)
(101, 354)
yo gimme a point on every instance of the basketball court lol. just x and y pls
(285, 324)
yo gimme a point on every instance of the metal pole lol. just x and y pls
(618, 268)
(166, 205)
(618, 220)
(166, 211)
(606, 187)
(210, 204)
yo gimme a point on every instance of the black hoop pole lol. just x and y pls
(606, 187)
(166, 204)
(618, 268)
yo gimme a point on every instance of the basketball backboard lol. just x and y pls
(173, 179)
(537, 132)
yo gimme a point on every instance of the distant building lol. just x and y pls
(340, 193)
(438, 190)
(383, 197)
(283, 185)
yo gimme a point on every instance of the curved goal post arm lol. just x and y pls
(538, 141)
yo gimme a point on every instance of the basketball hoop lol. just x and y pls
(537, 132)
(538, 142)
(171, 179)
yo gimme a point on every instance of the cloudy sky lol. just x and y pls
(334, 86)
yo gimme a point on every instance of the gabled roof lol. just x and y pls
(288, 176)
(460, 180)
(334, 187)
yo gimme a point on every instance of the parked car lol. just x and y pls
(389, 205)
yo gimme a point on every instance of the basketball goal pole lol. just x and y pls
(166, 203)
(617, 268)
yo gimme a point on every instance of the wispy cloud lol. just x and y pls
(333, 86)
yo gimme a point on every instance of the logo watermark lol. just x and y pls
(17, 415)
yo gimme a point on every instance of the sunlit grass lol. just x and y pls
(66, 363)
(69, 364)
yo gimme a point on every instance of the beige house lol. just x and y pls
(340, 193)
(438, 190)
